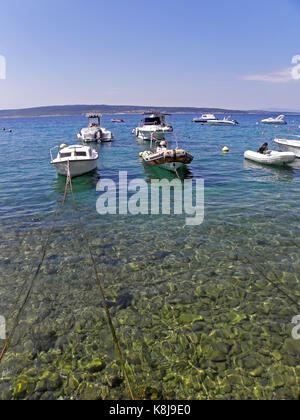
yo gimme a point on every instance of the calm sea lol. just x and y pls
(201, 312)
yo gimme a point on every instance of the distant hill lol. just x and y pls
(289, 111)
(77, 110)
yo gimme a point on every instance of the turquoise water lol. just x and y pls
(201, 312)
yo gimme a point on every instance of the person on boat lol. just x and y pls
(162, 146)
(263, 149)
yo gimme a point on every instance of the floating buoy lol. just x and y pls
(225, 149)
(141, 154)
(3, 129)
(289, 129)
(263, 133)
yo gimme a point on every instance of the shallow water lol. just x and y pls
(201, 312)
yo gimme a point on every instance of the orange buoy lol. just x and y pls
(263, 133)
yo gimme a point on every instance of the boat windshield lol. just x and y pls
(80, 153)
(64, 155)
(152, 121)
(94, 122)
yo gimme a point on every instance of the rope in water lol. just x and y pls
(98, 282)
(273, 282)
(106, 309)
(19, 313)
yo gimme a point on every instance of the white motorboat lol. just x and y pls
(80, 159)
(291, 144)
(153, 124)
(205, 118)
(271, 157)
(165, 158)
(94, 132)
(275, 121)
(225, 121)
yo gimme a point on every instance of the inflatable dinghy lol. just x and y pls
(271, 157)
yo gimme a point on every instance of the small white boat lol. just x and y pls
(165, 158)
(271, 157)
(153, 124)
(275, 121)
(289, 145)
(205, 118)
(94, 132)
(80, 159)
(225, 121)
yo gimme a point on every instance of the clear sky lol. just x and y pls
(233, 53)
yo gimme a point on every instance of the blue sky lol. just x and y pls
(233, 54)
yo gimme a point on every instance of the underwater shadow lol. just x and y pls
(80, 184)
(154, 172)
(279, 173)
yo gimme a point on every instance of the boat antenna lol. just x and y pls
(175, 135)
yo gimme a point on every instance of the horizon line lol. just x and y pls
(148, 107)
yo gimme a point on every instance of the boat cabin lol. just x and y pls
(94, 120)
(209, 117)
(154, 119)
(75, 152)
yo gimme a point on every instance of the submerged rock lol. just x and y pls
(95, 366)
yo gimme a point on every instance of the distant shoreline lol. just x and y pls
(81, 110)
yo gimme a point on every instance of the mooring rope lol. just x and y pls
(259, 269)
(106, 309)
(98, 282)
(273, 282)
(17, 318)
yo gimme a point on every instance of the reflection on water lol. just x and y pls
(279, 173)
(103, 145)
(154, 172)
(80, 184)
(296, 164)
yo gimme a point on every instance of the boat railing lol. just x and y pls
(288, 137)
(51, 150)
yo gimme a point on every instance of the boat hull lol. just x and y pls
(204, 121)
(289, 146)
(170, 160)
(272, 158)
(221, 123)
(274, 122)
(76, 168)
(171, 166)
(93, 136)
(149, 134)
